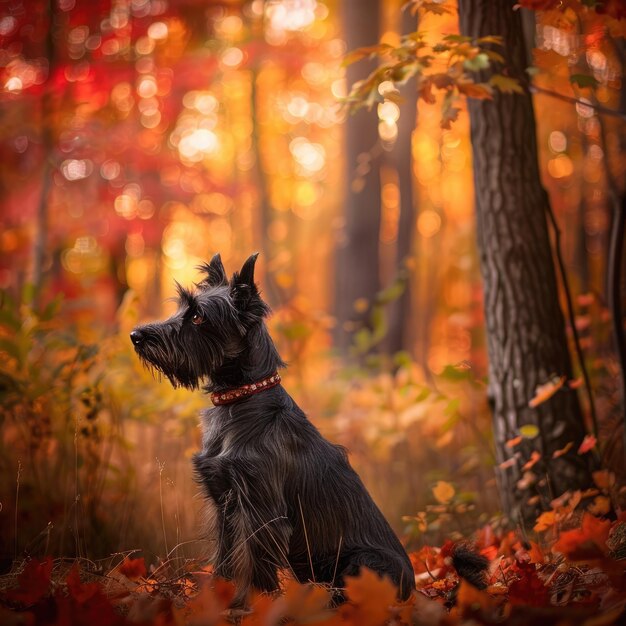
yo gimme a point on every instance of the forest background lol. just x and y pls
(139, 137)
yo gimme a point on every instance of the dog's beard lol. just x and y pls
(181, 368)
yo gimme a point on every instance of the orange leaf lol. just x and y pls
(544, 521)
(443, 492)
(600, 506)
(511, 443)
(564, 450)
(534, 457)
(546, 391)
(479, 91)
(604, 479)
(371, 598)
(587, 542)
(469, 597)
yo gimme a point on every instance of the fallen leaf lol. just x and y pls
(544, 521)
(33, 582)
(371, 598)
(604, 479)
(586, 542)
(511, 443)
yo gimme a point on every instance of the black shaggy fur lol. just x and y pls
(283, 496)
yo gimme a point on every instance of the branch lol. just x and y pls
(596, 107)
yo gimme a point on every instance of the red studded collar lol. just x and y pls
(239, 393)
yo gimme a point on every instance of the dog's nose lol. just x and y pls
(136, 336)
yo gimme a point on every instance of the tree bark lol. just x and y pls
(401, 157)
(527, 344)
(357, 264)
(47, 140)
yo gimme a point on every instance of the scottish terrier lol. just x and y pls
(282, 496)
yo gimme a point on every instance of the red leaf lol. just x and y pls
(528, 588)
(134, 569)
(587, 542)
(33, 582)
(587, 444)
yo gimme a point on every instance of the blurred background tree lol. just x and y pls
(138, 137)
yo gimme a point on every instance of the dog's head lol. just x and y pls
(210, 327)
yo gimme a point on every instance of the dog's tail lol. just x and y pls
(470, 565)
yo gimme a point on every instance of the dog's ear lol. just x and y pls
(215, 273)
(242, 286)
(246, 274)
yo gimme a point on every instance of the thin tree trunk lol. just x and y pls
(527, 344)
(39, 243)
(398, 337)
(272, 290)
(357, 266)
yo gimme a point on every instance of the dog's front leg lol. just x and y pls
(261, 529)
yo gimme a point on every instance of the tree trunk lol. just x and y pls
(357, 267)
(401, 157)
(527, 344)
(47, 140)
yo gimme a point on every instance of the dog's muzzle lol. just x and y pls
(136, 336)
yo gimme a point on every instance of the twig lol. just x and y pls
(560, 96)
(570, 312)
(161, 467)
(17, 497)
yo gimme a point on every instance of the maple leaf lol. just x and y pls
(478, 91)
(85, 603)
(506, 84)
(586, 542)
(528, 588)
(33, 582)
(371, 598)
(300, 603)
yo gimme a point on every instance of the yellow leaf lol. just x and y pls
(529, 431)
(505, 84)
(443, 492)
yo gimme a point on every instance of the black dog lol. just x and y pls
(283, 496)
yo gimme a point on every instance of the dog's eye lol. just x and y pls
(197, 319)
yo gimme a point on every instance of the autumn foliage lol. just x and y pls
(576, 579)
